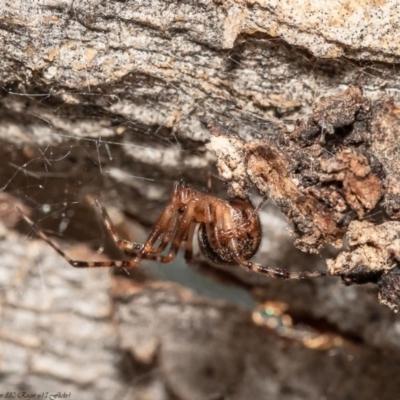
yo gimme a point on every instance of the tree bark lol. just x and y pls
(116, 100)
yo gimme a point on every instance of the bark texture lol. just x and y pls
(116, 100)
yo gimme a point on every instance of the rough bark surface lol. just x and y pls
(119, 99)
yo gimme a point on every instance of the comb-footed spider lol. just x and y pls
(229, 233)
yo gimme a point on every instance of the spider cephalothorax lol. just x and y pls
(229, 233)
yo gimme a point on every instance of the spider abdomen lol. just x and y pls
(241, 226)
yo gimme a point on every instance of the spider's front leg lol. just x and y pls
(131, 248)
(42, 235)
(125, 245)
(184, 232)
(168, 215)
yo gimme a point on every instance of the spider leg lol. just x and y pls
(162, 223)
(153, 254)
(255, 212)
(165, 225)
(225, 224)
(260, 206)
(189, 242)
(166, 236)
(42, 235)
(128, 247)
(277, 272)
(245, 225)
(123, 244)
(183, 231)
(211, 227)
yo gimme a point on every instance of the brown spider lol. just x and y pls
(229, 233)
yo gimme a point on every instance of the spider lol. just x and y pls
(229, 233)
